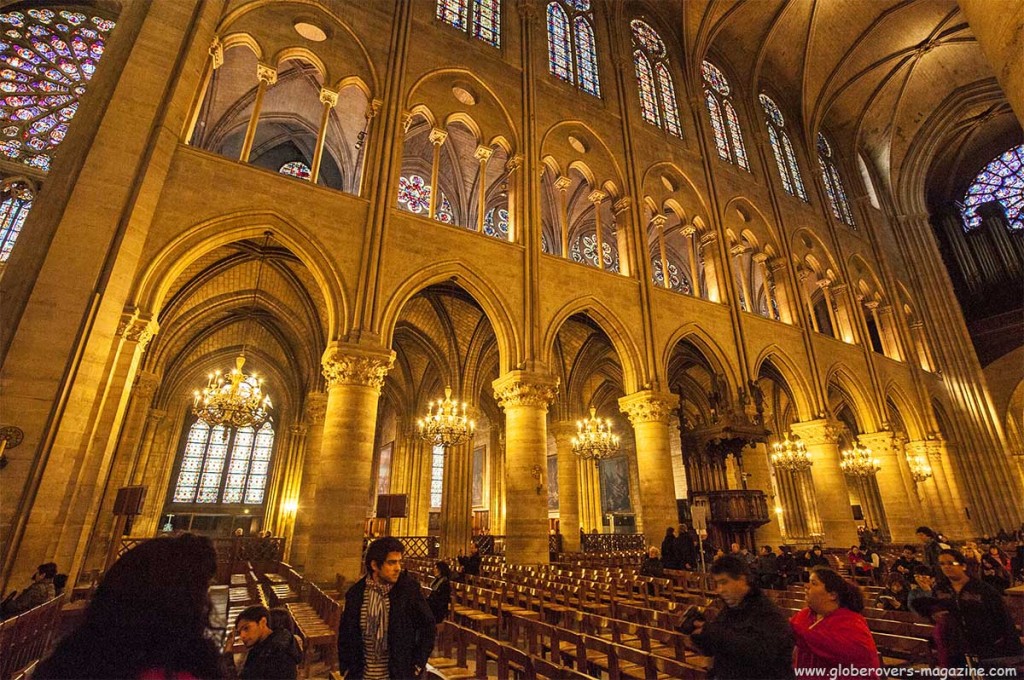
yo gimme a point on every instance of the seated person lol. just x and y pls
(271, 653)
(652, 566)
(39, 592)
(894, 597)
(906, 562)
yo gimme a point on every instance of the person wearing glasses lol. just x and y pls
(979, 619)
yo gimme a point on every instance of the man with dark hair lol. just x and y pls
(387, 630)
(930, 541)
(906, 562)
(39, 592)
(750, 638)
(271, 653)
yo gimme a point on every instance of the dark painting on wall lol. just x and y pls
(614, 475)
(478, 476)
(552, 483)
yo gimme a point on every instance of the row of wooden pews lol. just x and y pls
(26, 638)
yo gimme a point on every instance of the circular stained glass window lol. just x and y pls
(46, 58)
(1002, 181)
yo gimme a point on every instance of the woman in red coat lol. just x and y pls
(830, 632)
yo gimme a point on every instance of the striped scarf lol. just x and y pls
(375, 632)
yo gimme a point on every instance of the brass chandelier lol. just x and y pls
(791, 454)
(858, 461)
(446, 423)
(594, 439)
(236, 399)
(920, 470)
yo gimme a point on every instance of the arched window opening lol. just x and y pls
(869, 184)
(672, 251)
(1002, 180)
(782, 149)
(479, 18)
(822, 315)
(725, 123)
(15, 202)
(833, 183)
(572, 51)
(657, 94)
(436, 477)
(224, 465)
(295, 169)
(755, 282)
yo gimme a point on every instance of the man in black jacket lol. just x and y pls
(387, 630)
(273, 654)
(749, 639)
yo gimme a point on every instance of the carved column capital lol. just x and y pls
(688, 230)
(216, 53)
(707, 239)
(759, 257)
(328, 97)
(738, 249)
(146, 383)
(562, 183)
(514, 163)
(266, 74)
(776, 264)
(297, 430)
(597, 196)
(527, 10)
(622, 205)
(437, 136)
(872, 304)
(648, 406)
(316, 407)
(878, 442)
(839, 288)
(356, 365)
(483, 153)
(659, 221)
(817, 432)
(137, 326)
(406, 121)
(525, 388)
(155, 415)
(374, 107)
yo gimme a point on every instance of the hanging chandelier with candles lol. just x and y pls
(920, 470)
(236, 399)
(791, 454)
(446, 423)
(594, 439)
(858, 461)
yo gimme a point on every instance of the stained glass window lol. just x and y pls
(833, 183)
(676, 279)
(584, 250)
(782, 148)
(499, 228)
(1002, 180)
(484, 24)
(444, 211)
(15, 202)
(572, 54)
(436, 477)
(413, 194)
(724, 122)
(47, 58)
(296, 169)
(645, 82)
(657, 95)
(203, 477)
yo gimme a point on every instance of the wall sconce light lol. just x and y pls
(10, 437)
(290, 507)
(537, 473)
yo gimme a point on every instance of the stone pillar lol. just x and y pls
(456, 501)
(924, 354)
(831, 495)
(525, 397)
(755, 465)
(315, 408)
(354, 375)
(482, 154)
(590, 497)
(775, 274)
(689, 232)
(648, 412)
(562, 184)
(329, 99)
(146, 448)
(658, 222)
(597, 197)
(622, 231)
(568, 486)
(847, 329)
(803, 273)
(826, 293)
(437, 138)
(266, 75)
(743, 290)
(895, 485)
(710, 264)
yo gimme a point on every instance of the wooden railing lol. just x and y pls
(25, 638)
(231, 548)
(606, 543)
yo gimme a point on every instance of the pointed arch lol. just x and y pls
(716, 355)
(844, 379)
(907, 411)
(787, 367)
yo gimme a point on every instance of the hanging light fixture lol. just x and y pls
(446, 423)
(920, 470)
(236, 399)
(594, 439)
(791, 454)
(858, 461)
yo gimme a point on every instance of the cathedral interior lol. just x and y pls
(775, 247)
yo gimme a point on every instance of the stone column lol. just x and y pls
(710, 264)
(847, 329)
(803, 273)
(596, 197)
(755, 465)
(775, 274)
(648, 412)
(525, 397)
(658, 222)
(482, 154)
(148, 434)
(737, 252)
(266, 75)
(831, 495)
(689, 232)
(895, 485)
(456, 501)
(924, 354)
(562, 184)
(329, 99)
(354, 375)
(568, 486)
(313, 416)
(622, 231)
(826, 293)
(437, 138)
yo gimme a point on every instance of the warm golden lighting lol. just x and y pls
(290, 507)
(446, 423)
(237, 402)
(594, 439)
(858, 462)
(920, 470)
(791, 454)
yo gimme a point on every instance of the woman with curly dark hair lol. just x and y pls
(831, 632)
(148, 618)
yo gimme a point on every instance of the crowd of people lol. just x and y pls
(150, 616)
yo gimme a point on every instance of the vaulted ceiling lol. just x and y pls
(903, 81)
